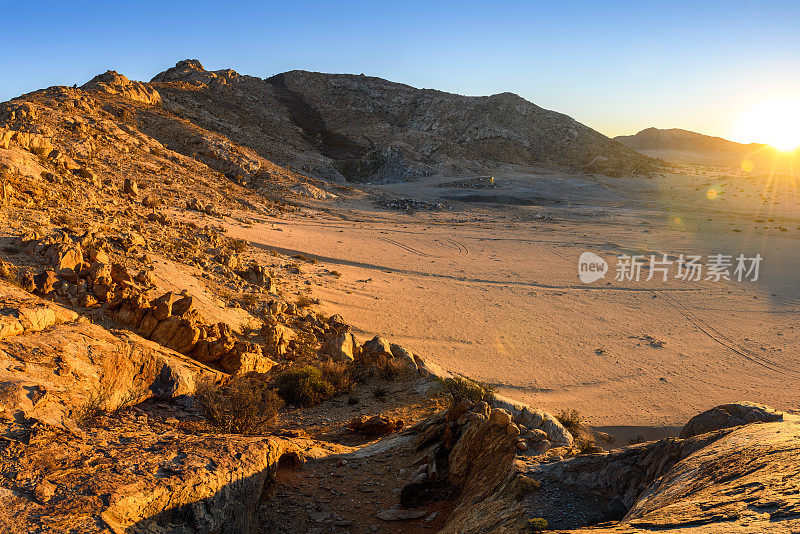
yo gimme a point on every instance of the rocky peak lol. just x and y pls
(114, 83)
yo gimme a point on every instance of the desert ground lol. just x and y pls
(490, 289)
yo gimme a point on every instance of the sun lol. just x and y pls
(775, 123)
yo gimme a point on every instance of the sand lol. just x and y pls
(491, 291)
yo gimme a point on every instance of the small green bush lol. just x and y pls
(464, 388)
(537, 524)
(304, 386)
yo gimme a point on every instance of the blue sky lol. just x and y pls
(617, 66)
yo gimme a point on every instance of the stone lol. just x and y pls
(177, 334)
(120, 275)
(556, 432)
(246, 362)
(162, 306)
(376, 348)
(278, 338)
(500, 417)
(729, 415)
(184, 306)
(512, 430)
(130, 187)
(343, 348)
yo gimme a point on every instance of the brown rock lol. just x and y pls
(177, 334)
(278, 338)
(147, 325)
(377, 425)
(130, 187)
(729, 415)
(44, 282)
(343, 347)
(162, 306)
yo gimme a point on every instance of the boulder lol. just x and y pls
(162, 306)
(278, 338)
(343, 348)
(729, 415)
(45, 281)
(248, 361)
(376, 348)
(177, 334)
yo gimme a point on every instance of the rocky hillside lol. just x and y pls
(677, 139)
(360, 128)
(159, 375)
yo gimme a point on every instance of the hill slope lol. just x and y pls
(677, 139)
(369, 129)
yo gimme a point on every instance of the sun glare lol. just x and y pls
(776, 123)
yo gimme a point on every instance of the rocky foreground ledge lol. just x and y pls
(472, 467)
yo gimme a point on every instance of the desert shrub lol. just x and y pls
(571, 420)
(238, 245)
(304, 301)
(304, 386)
(241, 405)
(339, 375)
(526, 485)
(464, 388)
(589, 446)
(388, 368)
(89, 411)
(537, 524)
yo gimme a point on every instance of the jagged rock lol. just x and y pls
(231, 261)
(120, 275)
(729, 415)
(278, 338)
(403, 355)
(183, 307)
(162, 306)
(258, 276)
(114, 83)
(343, 347)
(177, 334)
(376, 348)
(64, 256)
(45, 281)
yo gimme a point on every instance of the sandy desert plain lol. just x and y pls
(489, 288)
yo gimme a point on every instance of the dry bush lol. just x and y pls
(571, 420)
(304, 301)
(389, 368)
(238, 245)
(240, 405)
(464, 388)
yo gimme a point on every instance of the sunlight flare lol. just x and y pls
(776, 122)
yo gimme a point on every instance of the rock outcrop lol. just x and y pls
(369, 129)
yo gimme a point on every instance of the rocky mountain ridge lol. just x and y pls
(678, 139)
(363, 128)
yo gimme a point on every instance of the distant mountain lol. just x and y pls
(361, 128)
(677, 139)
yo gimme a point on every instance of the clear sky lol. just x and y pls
(617, 66)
